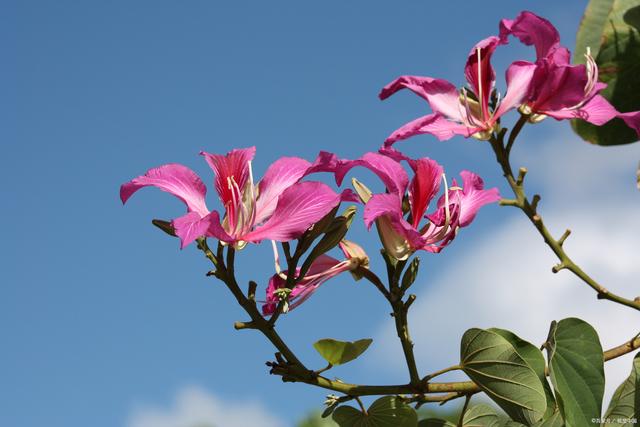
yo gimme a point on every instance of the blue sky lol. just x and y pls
(100, 313)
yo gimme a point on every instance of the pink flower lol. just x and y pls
(558, 89)
(466, 112)
(279, 208)
(322, 269)
(402, 236)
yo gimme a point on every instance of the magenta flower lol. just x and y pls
(466, 112)
(558, 89)
(402, 236)
(322, 269)
(279, 208)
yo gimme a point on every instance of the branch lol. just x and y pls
(529, 208)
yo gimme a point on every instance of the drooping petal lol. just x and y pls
(231, 171)
(531, 29)
(300, 206)
(282, 174)
(432, 124)
(390, 172)
(473, 197)
(442, 96)
(554, 87)
(173, 178)
(191, 226)
(518, 77)
(632, 119)
(388, 207)
(597, 111)
(480, 73)
(423, 187)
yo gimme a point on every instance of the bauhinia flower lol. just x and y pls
(322, 269)
(559, 89)
(279, 208)
(404, 230)
(468, 111)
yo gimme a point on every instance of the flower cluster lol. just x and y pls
(550, 86)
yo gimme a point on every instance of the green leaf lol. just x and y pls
(332, 236)
(625, 403)
(535, 359)
(493, 363)
(481, 416)
(611, 29)
(388, 411)
(555, 420)
(435, 422)
(339, 352)
(410, 274)
(576, 367)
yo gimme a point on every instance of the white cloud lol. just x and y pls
(195, 407)
(505, 280)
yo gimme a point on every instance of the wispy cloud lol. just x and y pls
(195, 407)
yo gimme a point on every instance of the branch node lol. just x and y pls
(564, 237)
(244, 325)
(558, 267)
(536, 219)
(509, 202)
(522, 172)
(603, 293)
(410, 301)
(251, 294)
(534, 202)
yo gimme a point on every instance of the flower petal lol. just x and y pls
(234, 166)
(191, 226)
(442, 96)
(282, 174)
(388, 209)
(432, 124)
(423, 187)
(597, 111)
(388, 170)
(300, 206)
(555, 86)
(473, 197)
(480, 73)
(173, 178)
(632, 119)
(518, 78)
(531, 29)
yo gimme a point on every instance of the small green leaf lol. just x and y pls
(610, 29)
(624, 408)
(388, 411)
(410, 274)
(340, 352)
(481, 416)
(576, 367)
(493, 363)
(435, 422)
(164, 226)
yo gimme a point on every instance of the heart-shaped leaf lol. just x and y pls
(576, 368)
(339, 352)
(388, 411)
(624, 408)
(611, 29)
(435, 422)
(493, 363)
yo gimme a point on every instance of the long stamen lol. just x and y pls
(253, 195)
(231, 206)
(237, 199)
(276, 260)
(480, 98)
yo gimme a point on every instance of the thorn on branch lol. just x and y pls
(522, 172)
(558, 267)
(564, 237)
(534, 202)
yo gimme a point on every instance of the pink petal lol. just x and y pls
(518, 78)
(442, 96)
(531, 29)
(191, 226)
(388, 170)
(473, 197)
(554, 87)
(232, 166)
(282, 174)
(632, 119)
(423, 188)
(597, 111)
(481, 76)
(432, 124)
(389, 207)
(176, 179)
(300, 206)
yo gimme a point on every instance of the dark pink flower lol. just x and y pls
(280, 207)
(465, 112)
(322, 269)
(402, 233)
